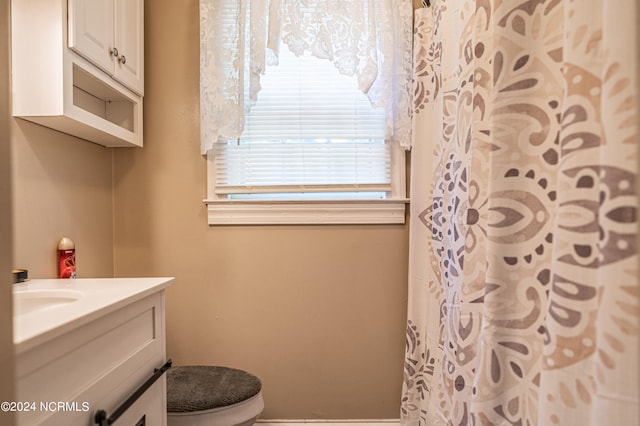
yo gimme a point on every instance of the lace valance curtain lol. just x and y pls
(368, 39)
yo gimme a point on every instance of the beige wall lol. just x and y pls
(317, 312)
(6, 332)
(62, 187)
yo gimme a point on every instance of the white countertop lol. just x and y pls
(100, 296)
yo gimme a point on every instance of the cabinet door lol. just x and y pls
(91, 31)
(129, 38)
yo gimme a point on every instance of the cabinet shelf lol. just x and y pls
(92, 95)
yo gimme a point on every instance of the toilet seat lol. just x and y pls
(212, 395)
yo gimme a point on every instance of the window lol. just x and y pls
(311, 148)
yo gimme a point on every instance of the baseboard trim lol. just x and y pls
(376, 422)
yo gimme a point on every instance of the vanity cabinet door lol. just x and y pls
(91, 31)
(110, 34)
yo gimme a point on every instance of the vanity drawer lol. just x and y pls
(93, 367)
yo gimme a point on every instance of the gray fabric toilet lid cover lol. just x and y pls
(200, 387)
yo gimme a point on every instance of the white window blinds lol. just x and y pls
(310, 131)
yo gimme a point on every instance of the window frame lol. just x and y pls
(390, 210)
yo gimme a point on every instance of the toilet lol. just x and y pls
(200, 395)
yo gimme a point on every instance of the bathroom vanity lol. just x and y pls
(89, 346)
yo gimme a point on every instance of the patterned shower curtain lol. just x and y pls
(524, 299)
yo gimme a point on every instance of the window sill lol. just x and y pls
(251, 212)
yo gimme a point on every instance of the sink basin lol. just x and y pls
(28, 301)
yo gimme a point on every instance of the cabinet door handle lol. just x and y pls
(101, 418)
(114, 52)
(123, 59)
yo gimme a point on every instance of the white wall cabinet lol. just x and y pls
(63, 75)
(109, 33)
